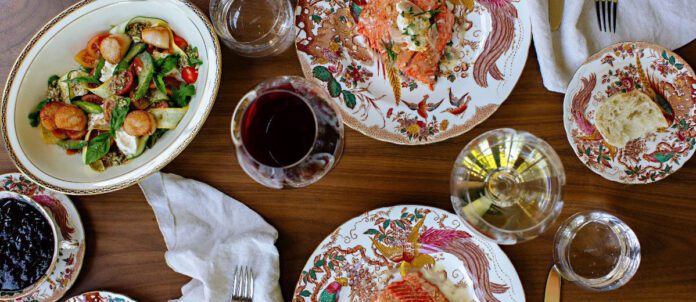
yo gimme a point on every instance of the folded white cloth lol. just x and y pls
(207, 234)
(671, 24)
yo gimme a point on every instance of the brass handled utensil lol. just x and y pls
(553, 286)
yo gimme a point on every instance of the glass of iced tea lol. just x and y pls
(287, 133)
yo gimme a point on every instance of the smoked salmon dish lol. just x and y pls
(410, 36)
(414, 288)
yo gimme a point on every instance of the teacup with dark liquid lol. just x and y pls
(29, 243)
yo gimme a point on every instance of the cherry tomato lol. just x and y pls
(93, 44)
(137, 65)
(127, 83)
(92, 98)
(181, 42)
(189, 74)
(84, 59)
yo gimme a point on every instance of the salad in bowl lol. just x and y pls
(133, 84)
(130, 85)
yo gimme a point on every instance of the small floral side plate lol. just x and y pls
(349, 264)
(100, 296)
(489, 49)
(68, 265)
(623, 67)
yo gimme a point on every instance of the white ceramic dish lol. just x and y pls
(51, 51)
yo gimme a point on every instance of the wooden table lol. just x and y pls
(125, 250)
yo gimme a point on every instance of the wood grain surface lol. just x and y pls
(125, 251)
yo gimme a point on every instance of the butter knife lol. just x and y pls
(553, 286)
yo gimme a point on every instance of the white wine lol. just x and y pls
(507, 184)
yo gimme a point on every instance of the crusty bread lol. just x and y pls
(626, 116)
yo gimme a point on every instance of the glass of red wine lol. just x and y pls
(287, 133)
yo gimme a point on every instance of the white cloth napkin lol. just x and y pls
(207, 234)
(671, 24)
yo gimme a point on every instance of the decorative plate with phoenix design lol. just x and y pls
(488, 51)
(666, 78)
(360, 258)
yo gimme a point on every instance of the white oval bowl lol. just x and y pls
(51, 51)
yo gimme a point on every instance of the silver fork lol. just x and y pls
(607, 9)
(243, 284)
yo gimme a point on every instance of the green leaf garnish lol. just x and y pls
(182, 94)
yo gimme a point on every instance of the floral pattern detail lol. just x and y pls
(359, 258)
(356, 78)
(416, 129)
(68, 265)
(100, 296)
(660, 74)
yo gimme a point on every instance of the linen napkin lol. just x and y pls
(671, 24)
(207, 234)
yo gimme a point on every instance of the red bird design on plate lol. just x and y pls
(459, 105)
(423, 107)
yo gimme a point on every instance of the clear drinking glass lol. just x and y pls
(254, 28)
(507, 185)
(596, 251)
(287, 132)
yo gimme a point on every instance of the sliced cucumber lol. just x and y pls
(72, 144)
(104, 90)
(120, 28)
(89, 107)
(145, 75)
(132, 52)
(168, 118)
(78, 89)
(158, 96)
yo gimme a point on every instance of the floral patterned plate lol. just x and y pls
(344, 265)
(70, 224)
(489, 49)
(623, 67)
(100, 296)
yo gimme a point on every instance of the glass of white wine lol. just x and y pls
(507, 185)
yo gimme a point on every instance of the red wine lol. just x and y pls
(278, 128)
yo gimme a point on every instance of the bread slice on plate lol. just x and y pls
(627, 116)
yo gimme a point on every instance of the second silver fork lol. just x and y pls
(243, 284)
(606, 14)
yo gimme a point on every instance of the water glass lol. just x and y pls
(254, 28)
(596, 251)
(287, 132)
(507, 185)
